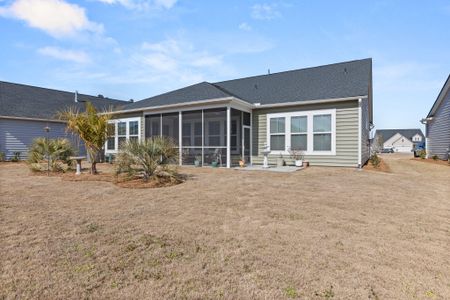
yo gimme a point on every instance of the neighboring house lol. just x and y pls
(325, 111)
(400, 140)
(26, 110)
(438, 125)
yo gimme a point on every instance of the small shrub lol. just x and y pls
(435, 157)
(58, 151)
(422, 154)
(375, 160)
(16, 156)
(2, 156)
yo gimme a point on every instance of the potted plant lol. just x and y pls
(214, 164)
(197, 161)
(297, 156)
(280, 161)
(241, 163)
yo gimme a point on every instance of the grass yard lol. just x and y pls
(321, 233)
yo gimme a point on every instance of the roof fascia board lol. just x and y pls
(176, 105)
(32, 119)
(445, 89)
(310, 102)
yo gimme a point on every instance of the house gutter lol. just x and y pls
(360, 133)
(236, 100)
(193, 103)
(32, 119)
(306, 102)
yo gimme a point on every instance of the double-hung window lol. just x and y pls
(133, 130)
(278, 134)
(299, 133)
(121, 133)
(322, 132)
(313, 132)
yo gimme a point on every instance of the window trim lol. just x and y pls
(127, 135)
(310, 130)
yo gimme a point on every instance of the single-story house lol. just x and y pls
(26, 110)
(324, 111)
(437, 124)
(400, 140)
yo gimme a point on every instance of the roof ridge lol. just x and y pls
(56, 90)
(295, 70)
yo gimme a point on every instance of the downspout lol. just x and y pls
(359, 133)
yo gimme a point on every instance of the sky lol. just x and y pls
(135, 49)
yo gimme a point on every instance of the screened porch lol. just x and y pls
(221, 135)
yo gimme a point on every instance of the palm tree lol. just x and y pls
(91, 127)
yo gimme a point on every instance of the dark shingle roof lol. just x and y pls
(196, 92)
(25, 101)
(340, 80)
(386, 134)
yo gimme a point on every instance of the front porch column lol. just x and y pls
(228, 137)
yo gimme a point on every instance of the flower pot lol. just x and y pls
(299, 163)
(280, 162)
(214, 164)
(241, 163)
(197, 163)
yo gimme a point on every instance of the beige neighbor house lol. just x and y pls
(325, 111)
(400, 140)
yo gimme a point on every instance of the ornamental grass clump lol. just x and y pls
(149, 159)
(53, 152)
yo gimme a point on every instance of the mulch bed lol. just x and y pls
(121, 181)
(383, 167)
(432, 161)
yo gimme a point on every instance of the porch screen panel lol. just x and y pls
(152, 125)
(236, 136)
(215, 135)
(191, 135)
(170, 126)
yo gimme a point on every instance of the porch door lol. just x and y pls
(246, 144)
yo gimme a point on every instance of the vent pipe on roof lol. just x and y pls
(76, 96)
(268, 71)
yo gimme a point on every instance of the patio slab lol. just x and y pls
(285, 169)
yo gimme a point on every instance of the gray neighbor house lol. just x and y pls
(324, 111)
(26, 110)
(437, 125)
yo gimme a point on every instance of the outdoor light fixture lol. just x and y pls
(47, 130)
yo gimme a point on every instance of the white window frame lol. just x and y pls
(127, 136)
(310, 134)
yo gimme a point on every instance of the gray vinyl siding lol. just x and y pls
(18, 135)
(438, 130)
(346, 134)
(365, 131)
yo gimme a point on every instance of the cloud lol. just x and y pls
(175, 54)
(244, 26)
(64, 54)
(55, 17)
(265, 11)
(142, 4)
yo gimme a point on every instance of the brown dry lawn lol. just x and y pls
(321, 233)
